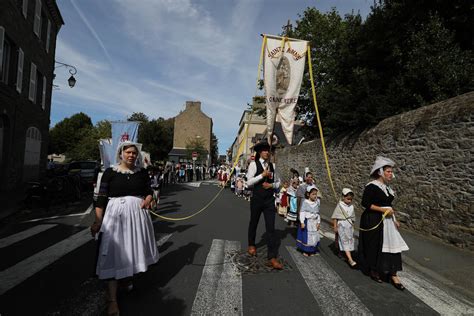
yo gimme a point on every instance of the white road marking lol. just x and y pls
(86, 212)
(7, 241)
(433, 296)
(18, 273)
(331, 293)
(193, 184)
(162, 240)
(220, 288)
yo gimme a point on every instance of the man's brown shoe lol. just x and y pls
(275, 264)
(252, 250)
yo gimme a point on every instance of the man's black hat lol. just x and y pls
(262, 145)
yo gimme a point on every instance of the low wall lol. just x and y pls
(433, 148)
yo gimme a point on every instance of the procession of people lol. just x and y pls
(127, 239)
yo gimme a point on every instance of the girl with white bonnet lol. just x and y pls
(307, 236)
(380, 243)
(343, 219)
(128, 243)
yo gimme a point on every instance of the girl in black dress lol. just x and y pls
(377, 200)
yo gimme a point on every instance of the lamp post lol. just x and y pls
(72, 70)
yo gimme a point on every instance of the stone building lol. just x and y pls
(257, 130)
(28, 31)
(191, 125)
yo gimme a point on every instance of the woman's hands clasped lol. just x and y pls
(146, 204)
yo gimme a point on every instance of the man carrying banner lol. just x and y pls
(261, 177)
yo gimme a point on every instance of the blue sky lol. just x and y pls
(152, 56)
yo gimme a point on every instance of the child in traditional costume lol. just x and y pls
(283, 200)
(307, 237)
(292, 214)
(239, 184)
(343, 219)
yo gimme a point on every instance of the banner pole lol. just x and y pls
(319, 122)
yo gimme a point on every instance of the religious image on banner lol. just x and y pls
(283, 73)
(123, 131)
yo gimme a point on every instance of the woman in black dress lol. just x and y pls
(377, 200)
(128, 243)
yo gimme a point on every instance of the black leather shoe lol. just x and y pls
(398, 286)
(375, 276)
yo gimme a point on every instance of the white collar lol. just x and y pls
(385, 188)
(116, 169)
(262, 161)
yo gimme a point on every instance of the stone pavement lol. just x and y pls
(446, 264)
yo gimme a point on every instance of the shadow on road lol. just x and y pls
(150, 295)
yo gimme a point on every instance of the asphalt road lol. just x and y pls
(51, 272)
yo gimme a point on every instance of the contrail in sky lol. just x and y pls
(96, 36)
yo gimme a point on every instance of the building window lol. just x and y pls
(48, 36)
(44, 27)
(24, 8)
(19, 72)
(32, 90)
(2, 45)
(32, 154)
(37, 21)
(39, 88)
(43, 96)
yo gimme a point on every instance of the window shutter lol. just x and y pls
(48, 35)
(43, 99)
(2, 36)
(19, 73)
(37, 23)
(32, 92)
(25, 8)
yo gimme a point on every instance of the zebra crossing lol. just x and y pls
(220, 289)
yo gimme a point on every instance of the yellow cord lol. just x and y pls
(319, 122)
(239, 152)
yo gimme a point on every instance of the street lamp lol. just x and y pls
(72, 70)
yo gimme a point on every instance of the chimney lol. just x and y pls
(193, 105)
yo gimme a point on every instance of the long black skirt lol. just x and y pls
(371, 257)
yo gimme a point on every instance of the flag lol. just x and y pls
(123, 131)
(283, 73)
(107, 152)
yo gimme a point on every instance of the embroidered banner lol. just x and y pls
(283, 73)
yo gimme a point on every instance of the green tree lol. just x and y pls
(157, 137)
(214, 149)
(196, 145)
(138, 116)
(103, 129)
(406, 54)
(66, 134)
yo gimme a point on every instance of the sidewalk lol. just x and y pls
(446, 264)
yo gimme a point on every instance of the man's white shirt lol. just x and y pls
(252, 179)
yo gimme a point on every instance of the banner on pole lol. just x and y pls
(121, 132)
(283, 73)
(107, 153)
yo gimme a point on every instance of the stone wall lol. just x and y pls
(433, 148)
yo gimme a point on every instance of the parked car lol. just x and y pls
(88, 171)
